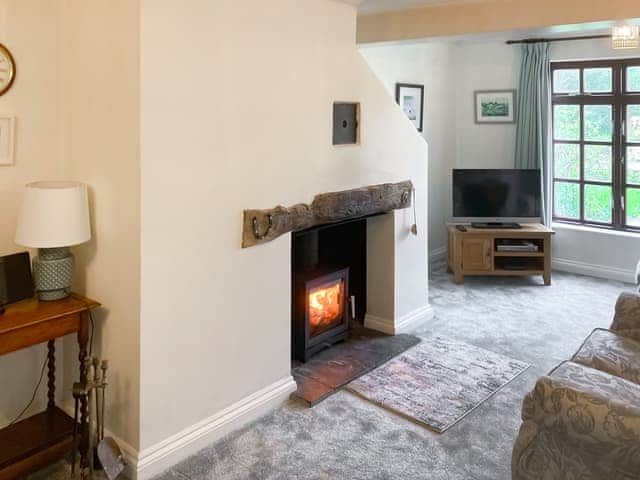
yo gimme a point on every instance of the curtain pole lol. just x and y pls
(564, 39)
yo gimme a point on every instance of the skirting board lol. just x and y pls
(592, 270)
(438, 255)
(405, 324)
(161, 456)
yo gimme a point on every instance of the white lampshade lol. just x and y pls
(54, 214)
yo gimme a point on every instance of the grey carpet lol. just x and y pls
(348, 438)
(438, 382)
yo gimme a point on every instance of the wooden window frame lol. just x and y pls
(619, 99)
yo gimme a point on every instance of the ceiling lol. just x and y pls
(376, 6)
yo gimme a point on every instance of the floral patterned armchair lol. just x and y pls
(582, 421)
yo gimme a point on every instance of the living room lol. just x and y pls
(209, 146)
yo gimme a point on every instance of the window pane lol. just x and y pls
(633, 165)
(566, 161)
(567, 200)
(633, 207)
(597, 123)
(597, 163)
(633, 79)
(633, 123)
(566, 122)
(566, 81)
(597, 203)
(598, 80)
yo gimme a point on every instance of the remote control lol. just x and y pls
(461, 228)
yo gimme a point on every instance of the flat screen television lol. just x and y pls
(493, 198)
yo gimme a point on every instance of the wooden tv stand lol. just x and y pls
(475, 252)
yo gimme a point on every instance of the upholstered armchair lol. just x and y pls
(582, 421)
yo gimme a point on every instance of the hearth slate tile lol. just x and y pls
(335, 367)
(311, 390)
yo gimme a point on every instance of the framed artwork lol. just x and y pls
(7, 134)
(495, 106)
(411, 99)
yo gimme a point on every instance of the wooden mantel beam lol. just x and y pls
(489, 16)
(260, 226)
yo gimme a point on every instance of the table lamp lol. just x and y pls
(54, 217)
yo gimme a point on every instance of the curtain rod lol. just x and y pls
(563, 39)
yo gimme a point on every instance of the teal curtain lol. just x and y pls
(533, 116)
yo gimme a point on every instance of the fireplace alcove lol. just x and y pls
(328, 278)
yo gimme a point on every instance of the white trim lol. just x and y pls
(380, 324)
(438, 254)
(414, 319)
(164, 454)
(599, 231)
(406, 323)
(593, 270)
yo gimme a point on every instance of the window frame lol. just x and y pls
(619, 99)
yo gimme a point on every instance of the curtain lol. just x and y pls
(533, 117)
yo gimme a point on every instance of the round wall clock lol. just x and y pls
(7, 69)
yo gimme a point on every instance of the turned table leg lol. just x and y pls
(83, 447)
(51, 367)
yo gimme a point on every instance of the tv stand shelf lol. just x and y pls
(475, 252)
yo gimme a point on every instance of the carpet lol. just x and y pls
(438, 382)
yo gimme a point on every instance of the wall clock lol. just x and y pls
(7, 69)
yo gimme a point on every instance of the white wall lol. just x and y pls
(31, 30)
(246, 123)
(493, 65)
(76, 102)
(101, 134)
(431, 65)
(483, 66)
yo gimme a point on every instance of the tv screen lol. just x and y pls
(493, 195)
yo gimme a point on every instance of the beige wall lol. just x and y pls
(431, 65)
(101, 148)
(31, 29)
(246, 122)
(77, 107)
(481, 16)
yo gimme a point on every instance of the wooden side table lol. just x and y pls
(46, 437)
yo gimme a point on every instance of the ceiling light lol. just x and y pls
(626, 36)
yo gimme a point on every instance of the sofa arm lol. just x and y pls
(627, 317)
(579, 429)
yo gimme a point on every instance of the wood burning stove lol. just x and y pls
(328, 281)
(321, 311)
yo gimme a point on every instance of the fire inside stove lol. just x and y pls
(326, 307)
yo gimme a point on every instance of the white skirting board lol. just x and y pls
(405, 324)
(163, 455)
(159, 457)
(593, 270)
(438, 254)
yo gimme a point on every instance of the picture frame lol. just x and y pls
(495, 106)
(410, 97)
(7, 139)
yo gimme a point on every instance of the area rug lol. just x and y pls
(438, 382)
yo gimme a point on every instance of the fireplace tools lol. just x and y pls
(107, 453)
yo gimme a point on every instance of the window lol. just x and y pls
(596, 143)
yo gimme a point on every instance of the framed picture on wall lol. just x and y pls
(7, 127)
(495, 106)
(410, 97)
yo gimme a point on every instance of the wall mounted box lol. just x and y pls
(346, 120)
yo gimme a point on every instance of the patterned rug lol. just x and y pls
(438, 382)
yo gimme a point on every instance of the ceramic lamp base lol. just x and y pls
(53, 273)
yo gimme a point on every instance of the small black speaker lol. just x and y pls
(16, 282)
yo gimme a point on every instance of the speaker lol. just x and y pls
(16, 282)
